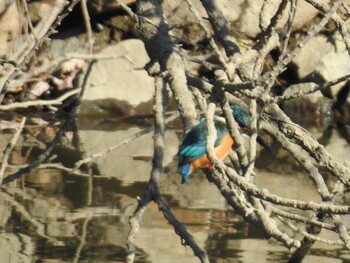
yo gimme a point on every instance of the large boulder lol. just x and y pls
(331, 67)
(120, 85)
(311, 55)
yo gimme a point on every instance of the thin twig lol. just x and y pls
(253, 137)
(289, 24)
(295, 217)
(128, 11)
(269, 76)
(39, 103)
(40, 33)
(87, 24)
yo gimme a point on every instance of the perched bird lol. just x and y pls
(192, 153)
(242, 117)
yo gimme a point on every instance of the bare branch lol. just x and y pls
(39, 34)
(161, 48)
(221, 27)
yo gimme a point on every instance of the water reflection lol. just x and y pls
(53, 216)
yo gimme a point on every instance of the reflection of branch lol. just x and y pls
(9, 149)
(66, 125)
(20, 209)
(153, 193)
(134, 222)
(82, 80)
(86, 220)
(82, 240)
(41, 158)
(59, 166)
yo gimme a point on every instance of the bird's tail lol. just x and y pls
(185, 172)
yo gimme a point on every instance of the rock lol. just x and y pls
(178, 13)
(331, 67)
(244, 16)
(338, 147)
(10, 27)
(248, 21)
(249, 18)
(122, 27)
(38, 9)
(311, 54)
(39, 179)
(187, 27)
(60, 47)
(120, 86)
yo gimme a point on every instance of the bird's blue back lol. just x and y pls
(194, 143)
(241, 116)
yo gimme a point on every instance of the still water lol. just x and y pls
(51, 215)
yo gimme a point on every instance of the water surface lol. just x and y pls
(51, 215)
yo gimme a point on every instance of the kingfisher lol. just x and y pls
(192, 152)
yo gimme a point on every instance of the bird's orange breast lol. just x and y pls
(221, 151)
